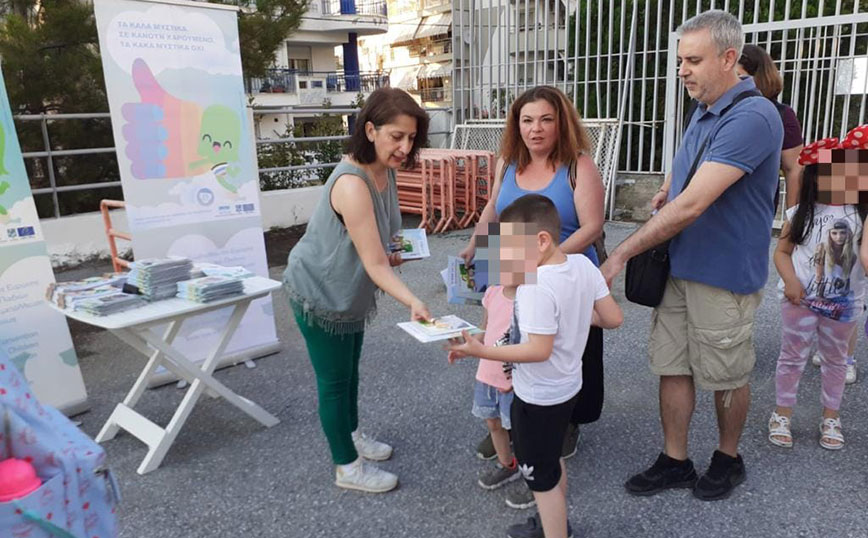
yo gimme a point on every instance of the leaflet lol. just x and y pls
(437, 329)
(412, 243)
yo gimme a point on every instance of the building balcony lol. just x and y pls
(546, 37)
(435, 95)
(434, 51)
(310, 85)
(408, 8)
(363, 17)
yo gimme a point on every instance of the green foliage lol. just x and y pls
(51, 65)
(278, 155)
(328, 151)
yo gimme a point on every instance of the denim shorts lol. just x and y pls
(489, 402)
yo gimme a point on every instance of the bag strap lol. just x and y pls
(738, 98)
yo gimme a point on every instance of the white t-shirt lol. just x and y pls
(560, 303)
(828, 265)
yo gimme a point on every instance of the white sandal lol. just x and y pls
(830, 429)
(779, 426)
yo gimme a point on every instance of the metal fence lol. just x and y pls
(52, 167)
(502, 47)
(282, 80)
(361, 7)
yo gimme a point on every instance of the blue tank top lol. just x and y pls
(558, 191)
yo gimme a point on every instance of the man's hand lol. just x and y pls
(659, 199)
(612, 267)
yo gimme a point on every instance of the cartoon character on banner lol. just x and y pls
(171, 138)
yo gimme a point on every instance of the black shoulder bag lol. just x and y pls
(647, 273)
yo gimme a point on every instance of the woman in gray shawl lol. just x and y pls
(335, 270)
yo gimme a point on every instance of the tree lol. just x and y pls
(52, 65)
(329, 151)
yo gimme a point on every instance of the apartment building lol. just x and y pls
(319, 62)
(417, 51)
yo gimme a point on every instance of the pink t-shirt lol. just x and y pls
(499, 309)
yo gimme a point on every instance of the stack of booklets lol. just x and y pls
(437, 329)
(210, 288)
(67, 294)
(201, 269)
(461, 286)
(107, 305)
(157, 279)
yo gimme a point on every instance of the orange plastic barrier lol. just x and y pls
(118, 263)
(448, 188)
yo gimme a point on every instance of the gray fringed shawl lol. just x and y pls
(324, 276)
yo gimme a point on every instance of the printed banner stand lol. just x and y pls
(186, 151)
(33, 335)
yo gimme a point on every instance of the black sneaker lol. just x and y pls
(666, 473)
(723, 475)
(532, 528)
(571, 441)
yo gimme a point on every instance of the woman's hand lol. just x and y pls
(793, 291)
(418, 311)
(659, 199)
(395, 259)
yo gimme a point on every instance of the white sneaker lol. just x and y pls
(850, 378)
(364, 476)
(816, 359)
(370, 449)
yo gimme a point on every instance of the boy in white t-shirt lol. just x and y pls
(554, 310)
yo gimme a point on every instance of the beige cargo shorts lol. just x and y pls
(704, 332)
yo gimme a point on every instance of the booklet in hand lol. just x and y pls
(461, 286)
(412, 243)
(437, 329)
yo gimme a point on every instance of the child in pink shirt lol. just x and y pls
(492, 395)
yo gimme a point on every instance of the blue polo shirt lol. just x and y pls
(728, 245)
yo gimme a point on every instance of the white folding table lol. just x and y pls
(135, 327)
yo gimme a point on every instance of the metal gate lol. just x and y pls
(824, 62)
(502, 47)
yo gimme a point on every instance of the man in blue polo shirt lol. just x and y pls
(720, 226)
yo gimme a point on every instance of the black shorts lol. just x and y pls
(537, 439)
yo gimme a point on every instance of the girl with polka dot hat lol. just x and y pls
(823, 282)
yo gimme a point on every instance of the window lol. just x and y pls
(300, 65)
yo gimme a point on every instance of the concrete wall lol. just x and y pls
(633, 193)
(80, 238)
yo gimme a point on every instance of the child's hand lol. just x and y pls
(794, 292)
(469, 347)
(454, 356)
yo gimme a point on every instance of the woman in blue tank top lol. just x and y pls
(544, 138)
(545, 150)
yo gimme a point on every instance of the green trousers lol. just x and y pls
(335, 360)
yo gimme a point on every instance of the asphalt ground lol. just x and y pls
(228, 476)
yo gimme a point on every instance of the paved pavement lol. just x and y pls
(227, 476)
